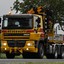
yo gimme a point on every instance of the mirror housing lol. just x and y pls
(38, 20)
(38, 25)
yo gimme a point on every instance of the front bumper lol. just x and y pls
(29, 47)
(20, 50)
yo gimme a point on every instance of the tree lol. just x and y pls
(16, 6)
(56, 6)
(26, 5)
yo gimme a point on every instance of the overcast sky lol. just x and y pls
(5, 6)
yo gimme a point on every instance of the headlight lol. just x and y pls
(29, 44)
(4, 44)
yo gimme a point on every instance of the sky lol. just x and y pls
(5, 6)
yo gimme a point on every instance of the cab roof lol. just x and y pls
(18, 15)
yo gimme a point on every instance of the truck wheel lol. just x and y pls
(40, 53)
(62, 55)
(62, 52)
(10, 55)
(50, 56)
(27, 55)
(56, 54)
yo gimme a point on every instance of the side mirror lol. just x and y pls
(38, 20)
(0, 25)
(38, 25)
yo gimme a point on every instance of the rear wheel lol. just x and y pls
(62, 55)
(62, 52)
(27, 55)
(56, 54)
(10, 55)
(50, 56)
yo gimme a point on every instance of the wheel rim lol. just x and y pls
(41, 51)
(56, 54)
(63, 55)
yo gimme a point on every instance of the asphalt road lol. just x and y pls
(31, 60)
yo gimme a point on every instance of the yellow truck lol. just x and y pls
(24, 34)
(31, 36)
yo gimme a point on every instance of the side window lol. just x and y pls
(30, 22)
(35, 23)
(6, 22)
(59, 28)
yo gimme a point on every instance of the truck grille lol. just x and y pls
(16, 43)
(16, 36)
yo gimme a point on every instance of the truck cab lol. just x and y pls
(22, 33)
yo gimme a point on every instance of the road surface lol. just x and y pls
(31, 60)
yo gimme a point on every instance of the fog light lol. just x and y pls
(27, 49)
(5, 48)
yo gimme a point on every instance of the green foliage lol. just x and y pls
(16, 5)
(57, 6)
(26, 5)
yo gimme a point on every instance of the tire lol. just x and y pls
(10, 55)
(40, 53)
(50, 56)
(62, 55)
(56, 54)
(27, 55)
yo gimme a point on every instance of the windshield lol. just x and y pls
(17, 23)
